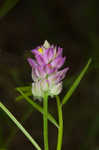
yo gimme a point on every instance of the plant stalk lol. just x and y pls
(45, 121)
(60, 129)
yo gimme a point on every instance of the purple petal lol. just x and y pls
(58, 76)
(40, 72)
(49, 69)
(31, 62)
(40, 60)
(37, 72)
(59, 53)
(49, 55)
(61, 74)
(58, 62)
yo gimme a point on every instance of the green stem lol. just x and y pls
(45, 120)
(20, 126)
(60, 129)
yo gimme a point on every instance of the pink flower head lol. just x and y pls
(45, 70)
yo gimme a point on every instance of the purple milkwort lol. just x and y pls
(45, 70)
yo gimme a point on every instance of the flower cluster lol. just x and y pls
(45, 70)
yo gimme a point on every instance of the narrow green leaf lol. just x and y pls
(76, 83)
(18, 124)
(60, 129)
(19, 98)
(7, 6)
(26, 88)
(37, 107)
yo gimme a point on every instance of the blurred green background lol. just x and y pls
(72, 24)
